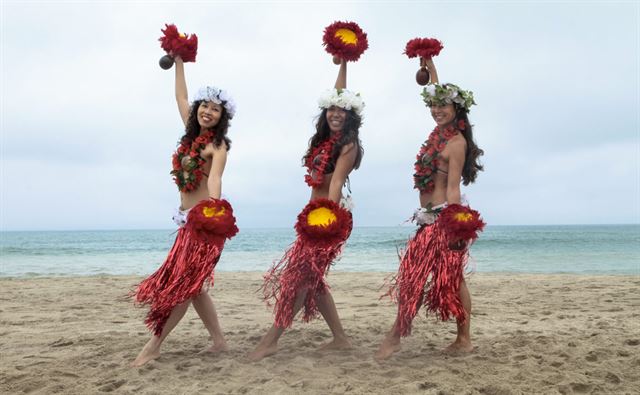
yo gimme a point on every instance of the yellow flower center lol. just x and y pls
(212, 211)
(463, 217)
(347, 36)
(182, 35)
(321, 216)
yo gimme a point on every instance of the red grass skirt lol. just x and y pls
(430, 274)
(303, 267)
(188, 267)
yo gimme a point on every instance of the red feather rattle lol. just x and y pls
(177, 44)
(425, 48)
(344, 40)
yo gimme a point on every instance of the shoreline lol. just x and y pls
(534, 333)
(381, 273)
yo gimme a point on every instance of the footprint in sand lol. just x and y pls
(15, 377)
(427, 385)
(65, 374)
(112, 385)
(61, 343)
(632, 342)
(33, 386)
(494, 390)
(612, 378)
(148, 367)
(184, 365)
(581, 387)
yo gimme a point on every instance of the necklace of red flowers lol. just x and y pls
(321, 152)
(427, 159)
(187, 163)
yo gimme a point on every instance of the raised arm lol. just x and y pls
(433, 73)
(341, 81)
(344, 165)
(182, 97)
(214, 182)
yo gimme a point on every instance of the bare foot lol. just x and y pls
(341, 343)
(217, 348)
(149, 352)
(459, 346)
(388, 347)
(262, 351)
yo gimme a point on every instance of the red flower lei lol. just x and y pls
(187, 162)
(427, 159)
(324, 149)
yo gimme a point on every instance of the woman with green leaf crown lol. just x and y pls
(432, 266)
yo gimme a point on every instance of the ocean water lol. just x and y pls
(593, 249)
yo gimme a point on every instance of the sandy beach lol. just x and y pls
(533, 334)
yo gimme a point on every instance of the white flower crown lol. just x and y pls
(342, 98)
(440, 95)
(218, 96)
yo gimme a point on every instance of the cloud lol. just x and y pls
(89, 120)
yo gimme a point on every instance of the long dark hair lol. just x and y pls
(471, 163)
(350, 134)
(192, 130)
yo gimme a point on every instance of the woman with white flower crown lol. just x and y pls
(431, 272)
(298, 279)
(204, 219)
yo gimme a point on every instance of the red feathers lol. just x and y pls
(430, 271)
(429, 275)
(423, 47)
(213, 218)
(324, 150)
(345, 40)
(305, 264)
(177, 44)
(332, 233)
(190, 263)
(461, 222)
(188, 267)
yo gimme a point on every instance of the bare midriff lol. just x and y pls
(439, 194)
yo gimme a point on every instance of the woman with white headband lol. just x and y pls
(205, 220)
(298, 279)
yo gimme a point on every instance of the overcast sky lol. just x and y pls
(89, 120)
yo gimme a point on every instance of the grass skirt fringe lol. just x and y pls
(430, 274)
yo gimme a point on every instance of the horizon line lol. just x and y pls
(290, 227)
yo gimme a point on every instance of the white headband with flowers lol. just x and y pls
(342, 98)
(218, 96)
(440, 95)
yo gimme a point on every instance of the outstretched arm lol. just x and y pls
(428, 63)
(181, 91)
(341, 81)
(344, 165)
